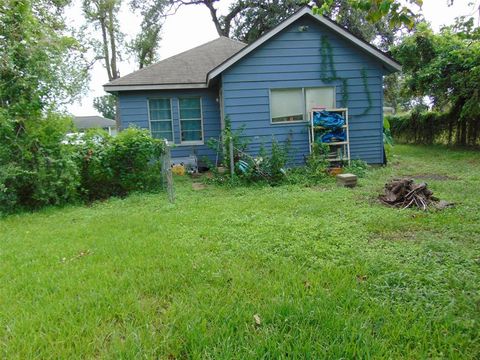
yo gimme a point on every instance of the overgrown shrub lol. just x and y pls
(38, 168)
(357, 167)
(266, 167)
(35, 168)
(116, 166)
(222, 146)
(387, 139)
(315, 169)
(271, 167)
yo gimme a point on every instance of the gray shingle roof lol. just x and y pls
(187, 68)
(92, 122)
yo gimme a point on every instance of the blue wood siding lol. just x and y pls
(293, 59)
(134, 112)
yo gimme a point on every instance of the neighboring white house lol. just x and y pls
(84, 123)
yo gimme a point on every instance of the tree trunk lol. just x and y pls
(113, 46)
(476, 134)
(106, 53)
(450, 129)
(216, 21)
(462, 132)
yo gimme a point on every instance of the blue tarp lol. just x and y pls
(329, 120)
(334, 136)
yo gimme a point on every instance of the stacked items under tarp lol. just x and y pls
(333, 125)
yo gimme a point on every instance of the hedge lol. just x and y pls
(431, 127)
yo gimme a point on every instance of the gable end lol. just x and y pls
(389, 63)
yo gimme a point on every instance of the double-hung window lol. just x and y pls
(191, 126)
(287, 105)
(161, 118)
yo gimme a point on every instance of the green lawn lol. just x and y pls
(329, 272)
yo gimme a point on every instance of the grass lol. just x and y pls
(329, 272)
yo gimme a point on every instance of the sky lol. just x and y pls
(192, 26)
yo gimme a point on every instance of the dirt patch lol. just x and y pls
(198, 186)
(438, 177)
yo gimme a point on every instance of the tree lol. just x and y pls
(249, 19)
(246, 20)
(258, 17)
(446, 68)
(145, 45)
(397, 11)
(104, 14)
(41, 64)
(106, 105)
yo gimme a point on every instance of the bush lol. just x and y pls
(222, 145)
(116, 166)
(357, 167)
(264, 168)
(315, 169)
(35, 168)
(38, 169)
(271, 167)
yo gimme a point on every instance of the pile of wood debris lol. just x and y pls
(404, 193)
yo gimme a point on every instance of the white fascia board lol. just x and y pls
(306, 11)
(110, 88)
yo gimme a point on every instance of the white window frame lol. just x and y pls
(171, 116)
(304, 97)
(270, 106)
(195, 142)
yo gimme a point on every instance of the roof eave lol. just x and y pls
(391, 64)
(117, 88)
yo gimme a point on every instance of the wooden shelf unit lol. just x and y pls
(340, 150)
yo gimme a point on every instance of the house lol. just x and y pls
(266, 88)
(83, 123)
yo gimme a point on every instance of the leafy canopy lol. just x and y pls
(105, 105)
(398, 12)
(247, 20)
(446, 68)
(42, 65)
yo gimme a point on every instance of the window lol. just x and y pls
(160, 112)
(190, 120)
(286, 105)
(323, 97)
(289, 105)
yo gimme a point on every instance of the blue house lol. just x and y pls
(266, 88)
